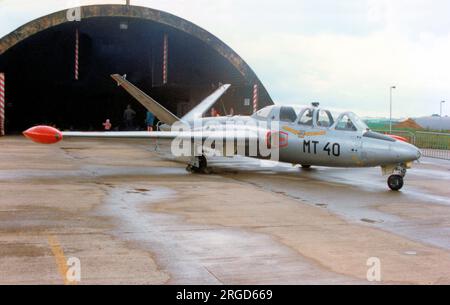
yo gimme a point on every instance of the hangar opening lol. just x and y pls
(58, 71)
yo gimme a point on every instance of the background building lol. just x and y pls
(57, 71)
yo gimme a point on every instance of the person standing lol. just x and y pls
(107, 125)
(128, 116)
(150, 120)
(214, 112)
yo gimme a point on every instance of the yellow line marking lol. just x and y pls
(60, 258)
(302, 134)
(292, 130)
(315, 133)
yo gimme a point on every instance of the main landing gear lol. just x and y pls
(395, 181)
(199, 165)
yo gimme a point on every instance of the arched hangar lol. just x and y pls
(57, 69)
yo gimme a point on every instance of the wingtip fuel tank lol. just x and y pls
(43, 134)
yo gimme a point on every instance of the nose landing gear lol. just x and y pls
(395, 181)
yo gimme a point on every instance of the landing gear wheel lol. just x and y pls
(306, 166)
(395, 182)
(202, 166)
(207, 171)
(202, 163)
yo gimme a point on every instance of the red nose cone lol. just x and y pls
(43, 134)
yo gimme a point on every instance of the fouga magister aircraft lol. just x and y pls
(307, 136)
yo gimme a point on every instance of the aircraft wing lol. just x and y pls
(219, 141)
(121, 135)
(206, 104)
(50, 135)
(150, 104)
(170, 135)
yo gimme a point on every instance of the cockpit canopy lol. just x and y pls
(312, 117)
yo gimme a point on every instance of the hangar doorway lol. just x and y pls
(167, 57)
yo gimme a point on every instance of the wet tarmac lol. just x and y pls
(375, 204)
(132, 216)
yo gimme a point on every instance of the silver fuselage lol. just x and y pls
(320, 146)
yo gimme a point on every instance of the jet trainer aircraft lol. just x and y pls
(308, 136)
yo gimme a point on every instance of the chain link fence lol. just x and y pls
(433, 144)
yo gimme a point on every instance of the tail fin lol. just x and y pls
(207, 103)
(150, 104)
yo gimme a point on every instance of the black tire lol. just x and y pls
(306, 166)
(207, 171)
(201, 169)
(203, 163)
(395, 182)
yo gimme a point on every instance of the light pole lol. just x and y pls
(440, 118)
(390, 104)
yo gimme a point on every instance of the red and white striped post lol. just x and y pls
(165, 58)
(2, 104)
(77, 45)
(255, 98)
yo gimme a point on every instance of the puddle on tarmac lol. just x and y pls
(199, 253)
(367, 220)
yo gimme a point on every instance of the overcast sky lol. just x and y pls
(344, 54)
